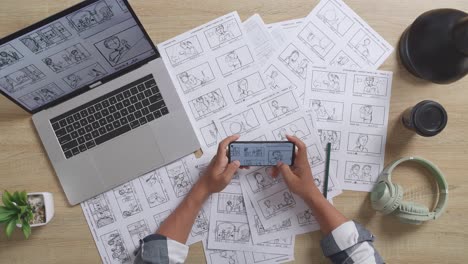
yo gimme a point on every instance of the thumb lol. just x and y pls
(231, 168)
(285, 170)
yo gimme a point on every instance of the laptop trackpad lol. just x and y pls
(128, 156)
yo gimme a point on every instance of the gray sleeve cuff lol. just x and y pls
(152, 249)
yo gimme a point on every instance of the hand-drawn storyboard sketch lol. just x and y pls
(365, 144)
(222, 33)
(276, 80)
(100, 210)
(361, 172)
(316, 40)
(367, 114)
(366, 47)
(200, 226)
(335, 19)
(184, 50)
(319, 177)
(297, 128)
(260, 179)
(295, 60)
(9, 56)
(314, 155)
(115, 247)
(210, 135)
(179, 177)
(260, 138)
(160, 217)
(246, 87)
(234, 60)
(343, 60)
(232, 232)
(327, 110)
(41, 96)
(21, 78)
(279, 106)
(93, 15)
(206, 104)
(46, 37)
(154, 189)
(127, 200)
(332, 82)
(122, 5)
(368, 85)
(224, 257)
(123, 46)
(231, 203)
(276, 203)
(241, 123)
(138, 231)
(261, 230)
(196, 77)
(66, 58)
(306, 217)
(85, 76)
(330, 136)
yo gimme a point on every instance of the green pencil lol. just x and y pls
(327, 170)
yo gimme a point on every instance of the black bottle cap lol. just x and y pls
(429, 118)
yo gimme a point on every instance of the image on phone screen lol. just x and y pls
(262, 153)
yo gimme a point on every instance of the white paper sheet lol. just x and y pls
(282, 30)
(260, 39)
(229, 228)
(214, 70)
(120, 217)
(216, 256)
(351, 110)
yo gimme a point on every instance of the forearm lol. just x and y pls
(179, 224)
(326, 214)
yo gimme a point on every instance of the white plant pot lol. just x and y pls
(48, 200)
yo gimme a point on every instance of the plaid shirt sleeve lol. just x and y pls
(159, 249)
(350, 243)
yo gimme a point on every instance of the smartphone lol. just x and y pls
(262, 153)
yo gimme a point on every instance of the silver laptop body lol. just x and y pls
(100, 162)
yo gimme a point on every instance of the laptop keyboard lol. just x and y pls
(109, 116)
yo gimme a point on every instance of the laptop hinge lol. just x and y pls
(94, 85)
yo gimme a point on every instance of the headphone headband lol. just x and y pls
(386, 176)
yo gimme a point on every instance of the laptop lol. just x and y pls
(100, 96)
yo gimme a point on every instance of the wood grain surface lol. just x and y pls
(67, 239)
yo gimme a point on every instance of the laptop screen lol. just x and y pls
(81, 46)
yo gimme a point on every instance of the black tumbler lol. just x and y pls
(427, 118)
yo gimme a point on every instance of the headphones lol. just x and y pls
(386, 197)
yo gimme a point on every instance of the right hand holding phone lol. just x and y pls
(299, 176)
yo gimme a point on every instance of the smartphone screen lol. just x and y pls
(262, 153)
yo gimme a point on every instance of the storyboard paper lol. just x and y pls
(260, 39)
(281, 31)
(119, 218)
(351, 112)
(214, 70)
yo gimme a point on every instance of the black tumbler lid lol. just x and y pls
(429, 118)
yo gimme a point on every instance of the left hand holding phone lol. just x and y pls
(219, 173)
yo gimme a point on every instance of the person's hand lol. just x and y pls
(219, 173)
(299, 176)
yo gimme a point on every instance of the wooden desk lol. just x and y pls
(24, 164)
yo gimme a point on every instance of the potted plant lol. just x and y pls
(26, 210)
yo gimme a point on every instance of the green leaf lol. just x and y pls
(26, 229)
(10, 227)
(16, 197)
(6, 198)
(6, 216)
(24, 197)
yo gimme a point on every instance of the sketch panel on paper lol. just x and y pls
(207, 104)
(246, 87)
(200, 225)
(276, 203)
(367, 114)
(316, 40)
(295, 60)
(335, 19)
(359, 143)
(231, 203)
(297, 128)
(41, 96)
(21, 78)
(327, 110)
(66, 58)
(210, 135)
(276, 80)
(223, 33)
(332, 136)
(91, 16)
(366, 47)
(368, 85)
(306, 217)
(123, 46)
(154, 189)
(116, 249)
(195, 77)
(332, 82)
(260, 179)
(232, 232)
(361, 172)
(127, 199)
(46, 37)
(101, 212)
(85, 76)
(279, 106)
(179, 177)
(241, 123)
(138, 231)
(184, 50)
(343, 60)
(314, 155)
(234, 60)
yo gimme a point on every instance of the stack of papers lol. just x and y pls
(313, 77)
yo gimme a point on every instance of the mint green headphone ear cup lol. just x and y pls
(394, 202)
(382, 200)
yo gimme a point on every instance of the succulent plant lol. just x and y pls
(16, 210)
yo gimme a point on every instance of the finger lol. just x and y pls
(285, 170)
(245, 167)
(301, 147)
(231, 169)
(224, 144)
(274, 172)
